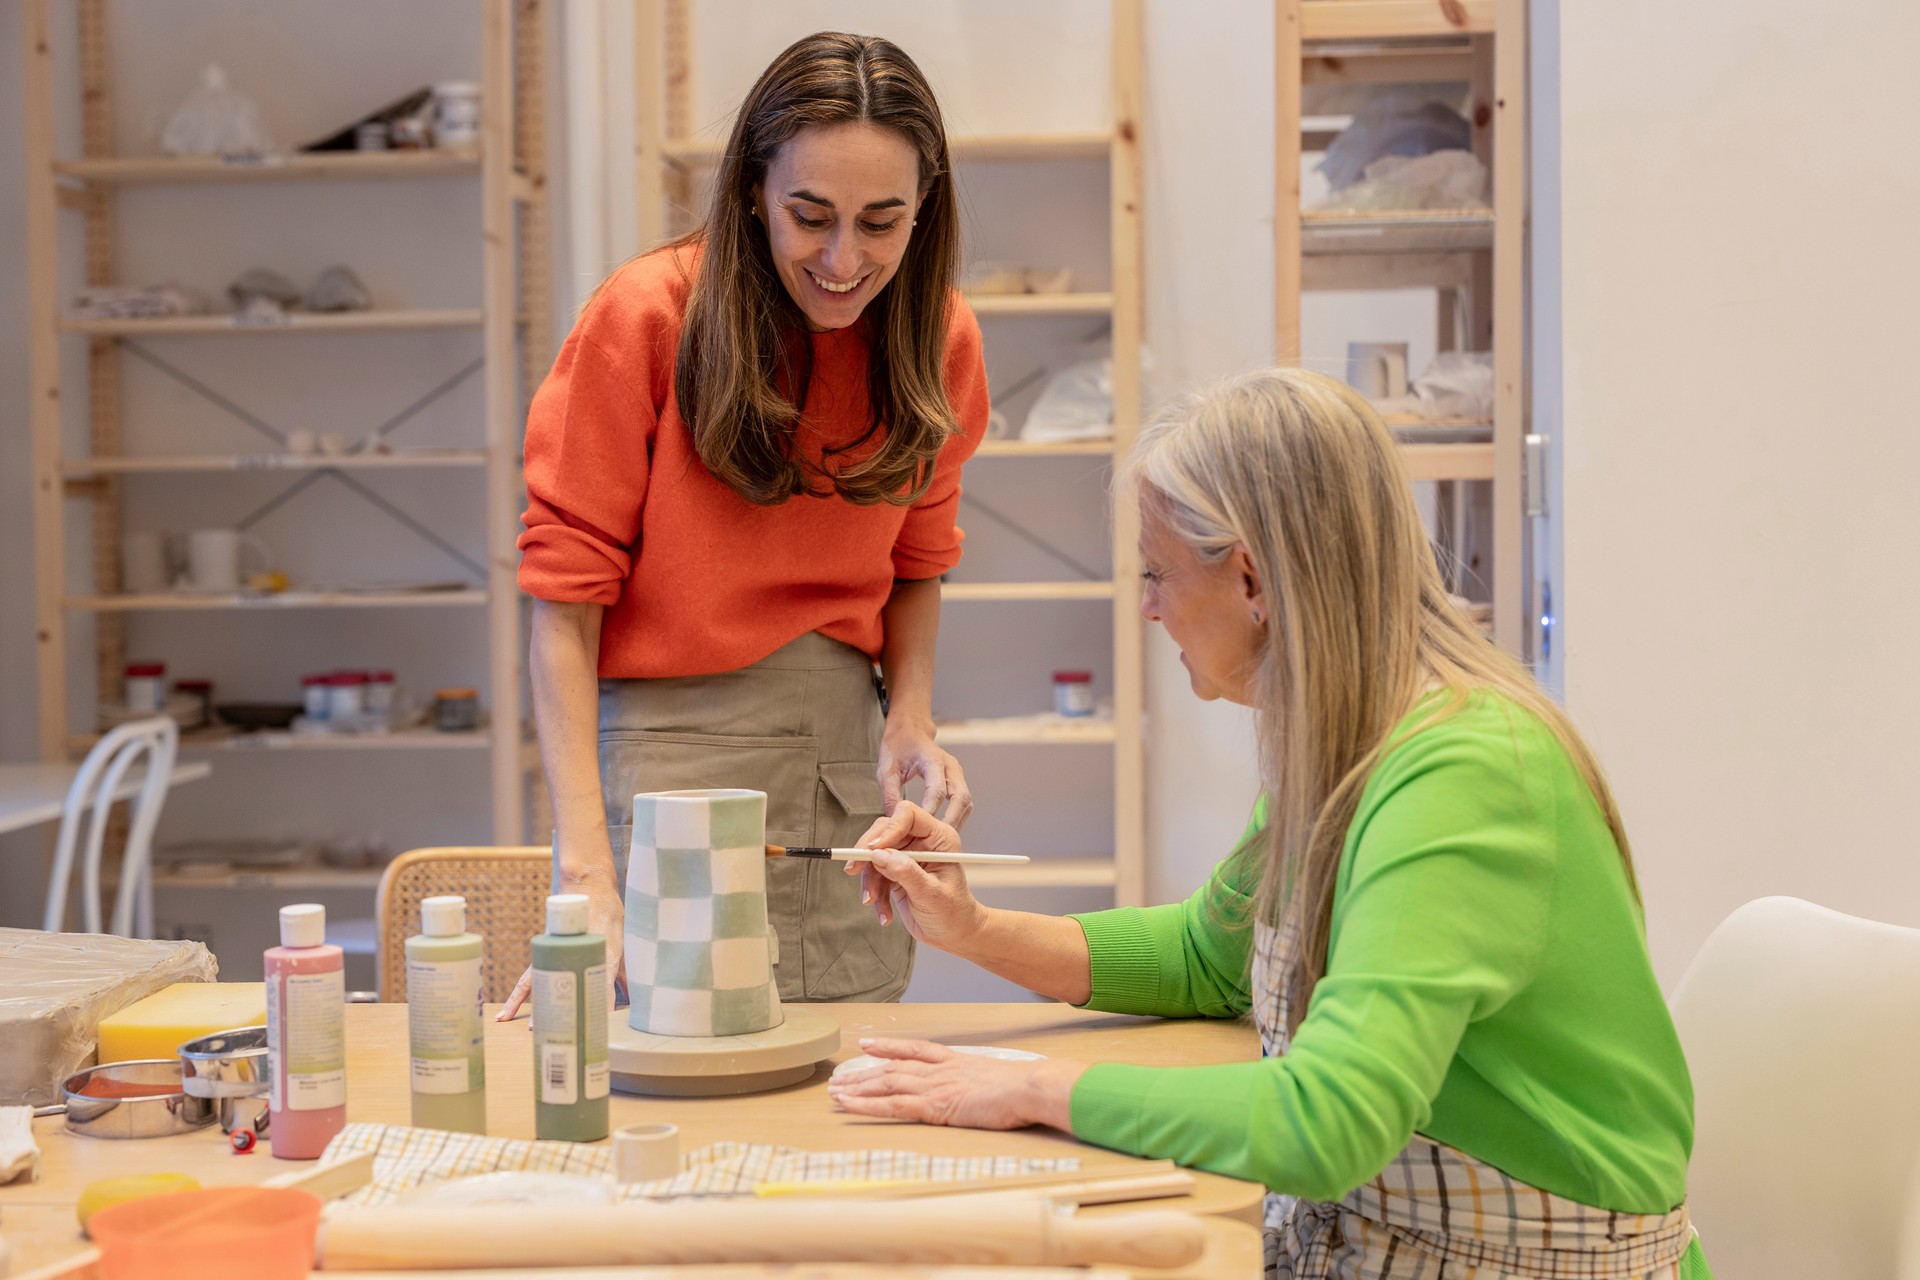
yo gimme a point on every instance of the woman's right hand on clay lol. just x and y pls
(931, 899)
(606, 916)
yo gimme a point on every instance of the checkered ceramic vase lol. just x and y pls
(698, 958)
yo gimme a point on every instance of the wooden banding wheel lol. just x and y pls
(718, 1066)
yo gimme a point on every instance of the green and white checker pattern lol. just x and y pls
(697, 953)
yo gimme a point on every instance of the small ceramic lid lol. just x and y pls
(443, 917)
(303, 925)
(567, 913)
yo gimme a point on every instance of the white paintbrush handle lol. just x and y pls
(922, 855)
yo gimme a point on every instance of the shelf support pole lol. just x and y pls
(43, 328)
(1129, 669)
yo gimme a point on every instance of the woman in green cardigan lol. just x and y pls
(1432, 916)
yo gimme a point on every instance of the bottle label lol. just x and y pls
(444, 1025)
(306, 1025)
(594, 1051)
(556, 1031)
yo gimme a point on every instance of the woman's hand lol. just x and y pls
(932, 899)
(606, 916)
(908, 751)
(931, 1084)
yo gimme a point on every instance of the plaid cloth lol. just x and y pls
(405, 1158)
(698, 954)
(1435, 1212)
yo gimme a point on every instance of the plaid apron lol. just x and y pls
(1436, 1213)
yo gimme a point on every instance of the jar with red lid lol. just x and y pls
(345, 690)
(146, 687)
(1073, 693)
(313, 693)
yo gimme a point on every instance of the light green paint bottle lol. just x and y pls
(444, 1020)
(569, 1025)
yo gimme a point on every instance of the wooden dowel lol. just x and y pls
(960, 1230)
(1158, 1173)
(771, 1271)
(331, 1180)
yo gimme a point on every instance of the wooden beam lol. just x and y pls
(1127, 191)
(1385, 65)
(499, 339)
(1331, 273)
(43, 340)
(1395, 19)
(1509, 263)
(1286, 181)
(649, 125)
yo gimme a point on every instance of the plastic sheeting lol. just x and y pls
(56, 987)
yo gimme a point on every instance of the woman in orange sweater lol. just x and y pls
(742, 477)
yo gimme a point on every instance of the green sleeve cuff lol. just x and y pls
(1104, 1107)
(1126, 961)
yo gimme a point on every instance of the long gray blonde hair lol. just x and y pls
(1299, 469)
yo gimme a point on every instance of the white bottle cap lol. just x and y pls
(303, 925)
(567, 913)
(443, 917)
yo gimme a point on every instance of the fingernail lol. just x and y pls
(866, 897)
(865, 1041)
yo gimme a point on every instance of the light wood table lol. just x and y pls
(36, 1219)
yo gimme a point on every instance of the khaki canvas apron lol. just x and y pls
(1436, 1212)
(803, 725)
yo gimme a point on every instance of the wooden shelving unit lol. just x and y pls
(670, 162)
(508, 169)
(1475, 257)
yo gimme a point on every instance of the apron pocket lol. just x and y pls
(850, 956)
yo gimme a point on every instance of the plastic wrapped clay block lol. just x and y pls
(56, 987)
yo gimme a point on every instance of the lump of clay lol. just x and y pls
(257, 285)
(338, 289)
(216, 120)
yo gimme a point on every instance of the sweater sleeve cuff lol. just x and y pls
(1104, 1108)
(1125, 961)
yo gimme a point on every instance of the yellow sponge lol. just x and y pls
(157, 1026)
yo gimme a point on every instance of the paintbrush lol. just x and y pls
(866, 855)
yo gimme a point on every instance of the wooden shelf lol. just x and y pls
(979, 147)
(224, 740)
(953, 591)
(1046, 872)
(1448, 461)
(1027, 731)
(277, 878)
(297, 322)
(279, 600)
(405, 458)
(1400, 231)
(1044, 449)
(1394, 19)
(338, 166)
(1040, 304)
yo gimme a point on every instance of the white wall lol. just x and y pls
(1741, 606)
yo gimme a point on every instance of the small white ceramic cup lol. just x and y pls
(213, 558)
(646, 1152)
(1377, 370)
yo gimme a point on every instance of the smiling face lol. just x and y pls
(838, 205)
(1208, 607)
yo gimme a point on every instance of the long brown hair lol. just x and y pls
(1299, 469)
(745, 358)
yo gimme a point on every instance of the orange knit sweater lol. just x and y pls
(696, 579)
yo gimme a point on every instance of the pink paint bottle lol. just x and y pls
(306, 1035)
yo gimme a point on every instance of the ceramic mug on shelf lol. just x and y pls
(1377, 370)
(213, 559)
(699, 955)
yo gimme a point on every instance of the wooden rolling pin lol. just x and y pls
(769, 1271)
(961, 1230)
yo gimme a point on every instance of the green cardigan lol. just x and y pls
(1488, 985)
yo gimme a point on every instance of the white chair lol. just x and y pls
(1802, 1029)
(91, 796)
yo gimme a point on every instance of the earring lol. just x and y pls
(1257, 619)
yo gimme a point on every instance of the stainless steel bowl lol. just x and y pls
(231, 1068)
(152, 1103)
